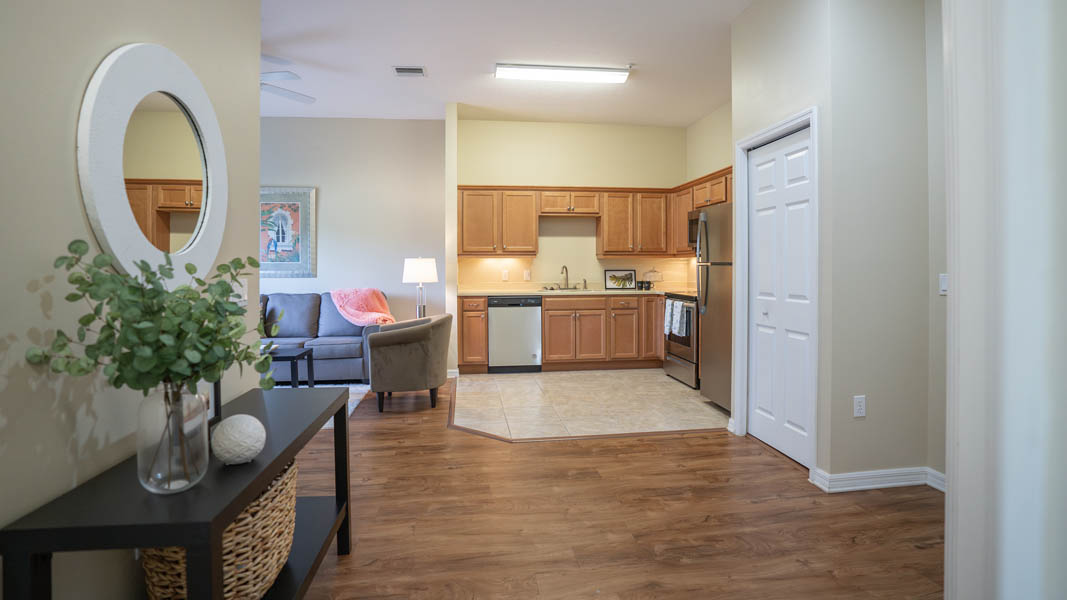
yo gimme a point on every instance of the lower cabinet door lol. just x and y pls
(475, 346)
(590, 338)
(558, 342)
(625, 333)
(652, 326)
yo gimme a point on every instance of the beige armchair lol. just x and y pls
(408, 356)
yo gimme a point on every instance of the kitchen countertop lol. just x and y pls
(654, 292)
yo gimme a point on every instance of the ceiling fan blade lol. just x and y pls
(278, 76)
(275, 59)
(284, 93)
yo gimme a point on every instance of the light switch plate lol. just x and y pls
(504, 275)
(859, 406)
(942, 284)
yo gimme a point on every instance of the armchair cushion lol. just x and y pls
(409, 355)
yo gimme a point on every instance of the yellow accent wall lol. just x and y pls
(709, 143)
(55, 431)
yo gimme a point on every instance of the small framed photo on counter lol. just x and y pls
(620, 279)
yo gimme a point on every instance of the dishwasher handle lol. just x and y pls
(514, 301)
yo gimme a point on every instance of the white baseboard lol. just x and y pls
(453, 372)
(873, 480)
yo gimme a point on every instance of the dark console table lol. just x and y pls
(112, 510)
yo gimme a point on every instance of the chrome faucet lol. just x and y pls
(566, 278)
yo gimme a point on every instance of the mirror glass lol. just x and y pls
(163, 165)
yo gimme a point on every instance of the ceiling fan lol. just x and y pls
(268, 76)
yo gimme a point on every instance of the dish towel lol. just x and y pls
(366, 306)
(678, 318)
(668, 310)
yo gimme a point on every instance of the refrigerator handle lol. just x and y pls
(702, 291)
(702, 234)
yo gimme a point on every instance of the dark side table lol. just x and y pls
(112, 510)
(293, 356)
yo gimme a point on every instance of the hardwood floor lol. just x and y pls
(440, 513)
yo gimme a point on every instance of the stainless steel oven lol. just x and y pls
(682, 339)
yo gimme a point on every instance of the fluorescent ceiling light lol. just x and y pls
(569, 74)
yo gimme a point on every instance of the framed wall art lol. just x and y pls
(287, 231)
(620, 279)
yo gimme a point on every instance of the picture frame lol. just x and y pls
(287, 238)
(620, 279)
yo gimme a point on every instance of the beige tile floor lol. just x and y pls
(581, 403)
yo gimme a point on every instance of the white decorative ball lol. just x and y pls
(238, 439)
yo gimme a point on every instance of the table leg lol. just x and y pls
(342, 483)
(311, 370)
(294, 372)
(28, 576)
(203, 569)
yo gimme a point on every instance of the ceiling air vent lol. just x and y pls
(410, 71)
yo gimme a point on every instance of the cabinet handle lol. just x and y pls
(505, 246)
(483, 315)
(494, 246)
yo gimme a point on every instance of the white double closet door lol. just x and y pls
(782, 343)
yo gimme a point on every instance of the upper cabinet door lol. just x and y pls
(701, 195)
(652, 223)
(585, 203)
(717, 190)
(140, 198)
(681, 205)
(478, 222)
(555, 203)
(617, 222)
(519, 215)
(172, 196)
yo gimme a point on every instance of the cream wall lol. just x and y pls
(378, 185)
(160, 145)
(56, 432)
(709, 143)
(566, 154)
(873, 222)
(935, 136)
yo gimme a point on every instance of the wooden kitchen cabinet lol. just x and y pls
(652, 311)
(558, 327)
(625, 337)
(681, 205)
(651, 223)
(585, 203)
(617, 223)
(473, 332)
(555, 203)
(140, 198)
(518, 232)
(570, 203)
(478, 222)
(701, 194)
(589, 335)
(717, 190)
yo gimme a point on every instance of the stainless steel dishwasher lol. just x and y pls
(514, 334)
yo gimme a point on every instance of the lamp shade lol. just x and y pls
(420, 270)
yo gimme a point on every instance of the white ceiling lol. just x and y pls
(344, 50)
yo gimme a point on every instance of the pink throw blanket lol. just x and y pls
(362, 307)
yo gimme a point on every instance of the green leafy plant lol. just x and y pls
(145, 335)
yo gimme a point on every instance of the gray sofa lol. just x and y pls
(312, 321)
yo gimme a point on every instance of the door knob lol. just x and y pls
(766, 313)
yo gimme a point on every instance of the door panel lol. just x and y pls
(681, 204)
(585, 203)
(558, 344)
(475, 336)
(478, 222)
(140, 197)
(782, 350)
(651, 222)
(555, 202)
(519, 215)
(652, 308)
(716, 334)
(717, 190)
(701, 195)
(617, 223)
(625, 330)
(590, 335)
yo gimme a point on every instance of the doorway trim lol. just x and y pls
(738, 424)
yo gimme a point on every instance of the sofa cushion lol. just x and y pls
(332, 323)
(338, 346)
(297, 315)
(287, 342)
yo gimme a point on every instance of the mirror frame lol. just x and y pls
(122, 80)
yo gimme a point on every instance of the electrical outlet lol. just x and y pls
(526, 275)
(859, 406)
(504, 275)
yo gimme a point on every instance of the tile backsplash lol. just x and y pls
(569, 241)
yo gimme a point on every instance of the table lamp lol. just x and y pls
(420, 270)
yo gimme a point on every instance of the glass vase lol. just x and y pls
(172, 440)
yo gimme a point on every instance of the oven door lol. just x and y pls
(685, 344)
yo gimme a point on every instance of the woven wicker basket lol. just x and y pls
(255, 547)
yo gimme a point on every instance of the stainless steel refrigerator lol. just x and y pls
(711, 231)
